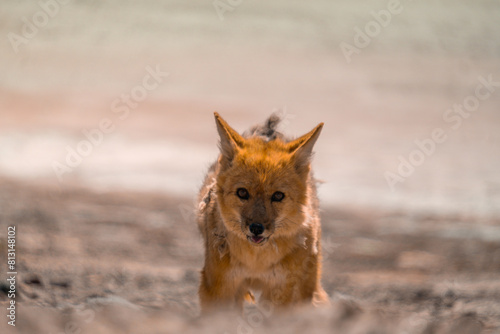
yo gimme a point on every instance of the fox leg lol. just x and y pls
(294, 293)
(220, 292)
(280, 296)
(301, 285)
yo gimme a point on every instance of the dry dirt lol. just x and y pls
(129, 262)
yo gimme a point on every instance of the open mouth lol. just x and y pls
(256, 239)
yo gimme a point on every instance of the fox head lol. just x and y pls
(262, 186)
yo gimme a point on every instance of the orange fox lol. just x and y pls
(259, 218)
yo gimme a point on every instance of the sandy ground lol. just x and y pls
(129, 262)
(112, 247)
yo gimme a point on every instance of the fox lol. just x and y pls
(258, 214)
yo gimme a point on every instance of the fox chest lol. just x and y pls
(264, 264)
(275, 274)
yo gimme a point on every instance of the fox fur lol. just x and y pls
(278, 198)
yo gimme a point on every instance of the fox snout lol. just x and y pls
(256, 229)
(257, 223)
(256, 233)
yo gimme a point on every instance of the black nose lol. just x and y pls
(256, 229)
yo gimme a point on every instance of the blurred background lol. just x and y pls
(258, 58)
(108, 102)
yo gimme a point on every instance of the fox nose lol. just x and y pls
(256, 229)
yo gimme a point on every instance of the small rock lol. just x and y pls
(65, 284)
(111, 300)
(34, 280)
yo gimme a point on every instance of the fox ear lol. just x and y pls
(301, 148)
(230, 140)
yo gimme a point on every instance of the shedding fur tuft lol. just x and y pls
(267, 130)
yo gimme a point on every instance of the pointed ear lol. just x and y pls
(230, 140)
(301, 148)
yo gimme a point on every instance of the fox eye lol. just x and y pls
(242, 193)
(277, 196)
